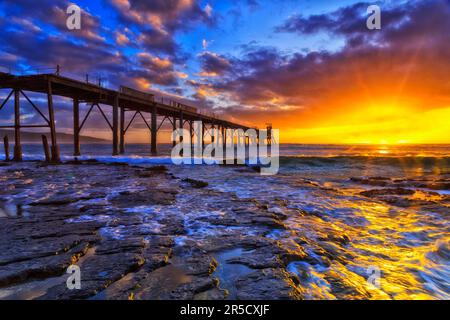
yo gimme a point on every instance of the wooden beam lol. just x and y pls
(6, 100)
(115, 126)
(122, 131)
(154, 130)
(51, 114)
(76, 127)
(17, 145)
(174, 127)
(6, 147)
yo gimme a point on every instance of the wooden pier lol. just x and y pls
(96, 96)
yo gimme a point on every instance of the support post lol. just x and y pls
(202, 141)
(51, 113)
(154, 127)
(76, 127)
(224, 141)
(6, 144)
(213, 139)
(174, 127)
(17, 145)
(181, 127)
(115, 126)
(46, 148)
(122, 131)
(191, 136)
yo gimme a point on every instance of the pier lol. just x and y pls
(154, 111)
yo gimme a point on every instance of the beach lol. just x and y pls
(141, 228)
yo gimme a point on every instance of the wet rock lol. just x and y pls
(267, 284)
(278, 213)
(24, 249)
(128, 199)
(134, 245)
(200, 265)
(39, 268)
(340, 238)
(97, 273)
(267, 221)
(158, 169)
(213, 294)
(189, 290)
(439, 186)
(269, 256)
(381, 182)
(389, 191)
(151, 172)
(334, 252)
(196, 183)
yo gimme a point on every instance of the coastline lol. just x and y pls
(148, 231)
(124, 250)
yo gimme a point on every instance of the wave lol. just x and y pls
(409, 161)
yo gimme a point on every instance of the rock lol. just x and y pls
(127, 199)
(151, 171)
(39, 268)
(270, 222)
(158, 169)
(196, 183)
(371, 181)
(273, 255)
(392, 191)
(134, 245)
(212, 294)
(267, 284)
(97, 273)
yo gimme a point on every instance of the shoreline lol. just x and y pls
(150, 231)
(80, 228)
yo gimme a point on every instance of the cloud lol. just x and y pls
(122, 39)
(213, 64)
(379, 75)
(208, 10)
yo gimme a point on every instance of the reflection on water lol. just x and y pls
(10, 210)
(364, 207)
(228, 273)
(402, 228)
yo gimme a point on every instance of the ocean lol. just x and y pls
(363, 214)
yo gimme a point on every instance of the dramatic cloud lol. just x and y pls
(213, 64)
(312, 72)
(379, 75)
(160, 20)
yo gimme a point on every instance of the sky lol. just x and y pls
(311, 68)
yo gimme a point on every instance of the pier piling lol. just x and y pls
(76, 127)
(122, 131)
(6, 146)
(46, 149)
(51, 113)
(154, 129)
(115, 126)
(174, 127)
(17, 144)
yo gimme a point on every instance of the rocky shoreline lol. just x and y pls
(120, 225)
(210, 232)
